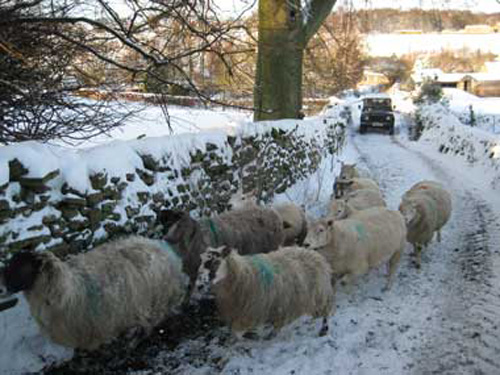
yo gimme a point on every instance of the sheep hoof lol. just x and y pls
(324, 331)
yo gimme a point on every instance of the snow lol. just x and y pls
(402, 44)
(425, 324)
(150, 122)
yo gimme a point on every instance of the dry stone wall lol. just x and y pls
(69, 201)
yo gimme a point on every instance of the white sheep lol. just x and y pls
(91, 298)
(294, 223)
(361, 242)
(442, 198)
(426, 208)
(274, 288)
(250, 229)
(343, 187)
(348, 171)
(341, 208)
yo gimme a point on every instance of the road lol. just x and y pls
(443, 319)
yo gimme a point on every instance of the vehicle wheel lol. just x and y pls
(362, 130)
(391, 130)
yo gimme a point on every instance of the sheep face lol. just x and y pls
(21, 272)
(179, 226)
(213, 268)
(409, 212)
(319, 234)
(339, 208)
(348, 171)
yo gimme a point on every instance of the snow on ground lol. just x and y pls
(150, 122)
(444, 319)
(402, 44)
(441, 320)
(486, 111)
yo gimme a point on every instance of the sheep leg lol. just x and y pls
(418, 254)
(393, 265)
(324, 327)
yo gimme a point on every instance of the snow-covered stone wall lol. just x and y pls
(70, 200)
(447, 134)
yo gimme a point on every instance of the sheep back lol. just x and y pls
(92, 298)
(250, 230)
(274, 288)
(357, 200)
(441, 197)
(363, 241)
(421, 215)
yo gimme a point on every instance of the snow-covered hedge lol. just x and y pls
(69, 200)
(444, 130)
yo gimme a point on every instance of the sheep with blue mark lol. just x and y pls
(274, 288)
(89, 299)
(359, 243)
(251, 229)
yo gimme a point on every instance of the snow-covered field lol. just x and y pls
(486, 111)
(150, 122)
(401, 44)
(444, 319)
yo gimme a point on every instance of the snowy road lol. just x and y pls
(455, 328)
(444, 319)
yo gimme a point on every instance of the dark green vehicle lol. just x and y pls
(377, 113)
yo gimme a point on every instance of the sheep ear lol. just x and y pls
(226, 251)
(22, 271)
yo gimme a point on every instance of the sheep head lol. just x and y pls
(339, 208)
(22, 271)
(409, 211)
(319, 234)
(179, 226)
(347, 171)
(213, 268)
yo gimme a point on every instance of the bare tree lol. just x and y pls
(43, 42)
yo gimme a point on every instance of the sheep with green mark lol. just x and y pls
(251, 230)
(274, 288)
(90, 299)
(359, 243)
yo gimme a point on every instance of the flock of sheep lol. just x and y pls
(263, 265)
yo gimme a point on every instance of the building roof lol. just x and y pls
(439, 76)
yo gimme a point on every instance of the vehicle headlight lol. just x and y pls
(365, 117)
(388, 118)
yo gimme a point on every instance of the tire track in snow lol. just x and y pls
(466, 341)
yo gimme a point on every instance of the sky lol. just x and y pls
(487, 6)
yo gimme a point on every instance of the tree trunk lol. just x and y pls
(283, 35)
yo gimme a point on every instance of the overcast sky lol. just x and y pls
(487, 6)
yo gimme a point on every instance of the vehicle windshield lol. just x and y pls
(376, 103)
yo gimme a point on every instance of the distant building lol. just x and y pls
(478, 29)
(410, 31)
(480, 84)
(371, 78)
